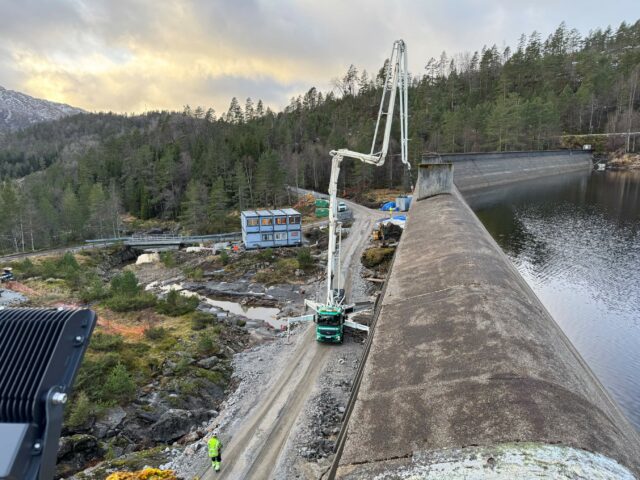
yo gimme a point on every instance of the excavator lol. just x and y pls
(332, 316)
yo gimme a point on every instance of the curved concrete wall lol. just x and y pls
(481, 170)
(465, 356)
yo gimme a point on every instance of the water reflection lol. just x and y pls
(267, 314)
(576, 241)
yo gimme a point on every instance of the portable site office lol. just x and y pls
(271, 228)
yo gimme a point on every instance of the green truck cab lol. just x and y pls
(330, 325)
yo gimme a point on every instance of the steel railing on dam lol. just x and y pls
(467, 374)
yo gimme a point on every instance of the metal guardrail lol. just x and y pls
(168, 239)
(181, 239)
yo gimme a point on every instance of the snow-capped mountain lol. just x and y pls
(18, 110)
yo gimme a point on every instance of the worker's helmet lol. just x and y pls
(216, 432)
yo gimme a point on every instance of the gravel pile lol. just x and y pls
(10, 298)
(324, 427)
(309, 452)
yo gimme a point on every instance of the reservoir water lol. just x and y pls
(576, 241)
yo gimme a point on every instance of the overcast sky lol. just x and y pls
(137, 55)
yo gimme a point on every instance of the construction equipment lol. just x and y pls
(332, 316)
(6, 275)
(40, 353)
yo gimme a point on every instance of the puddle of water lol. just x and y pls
(267, 314)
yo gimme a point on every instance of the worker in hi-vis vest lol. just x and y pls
(215, 451)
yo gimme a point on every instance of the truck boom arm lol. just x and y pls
(396, 79)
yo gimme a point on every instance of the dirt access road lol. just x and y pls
(52, 251)
(255, 447)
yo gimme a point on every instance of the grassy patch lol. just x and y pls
(93, 290)
(65, 268)
(80, 411)
(127, 295)
(104, 342)
(194, 273)
(283, 270)
(305, 260)
(202, 320)
(376, 256)
(155, 333)
(207, 343)
(176, 304)
(125, 303)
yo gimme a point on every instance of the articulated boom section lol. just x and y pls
(330, 317)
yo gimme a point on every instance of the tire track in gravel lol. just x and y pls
(254, 450)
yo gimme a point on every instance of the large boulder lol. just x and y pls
(209, 362)
(148, 258)
(106, 426)
(171, 425)
(176, 423)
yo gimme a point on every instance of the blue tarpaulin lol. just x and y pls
(389, 207)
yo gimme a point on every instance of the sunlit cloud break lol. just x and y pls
(133, 56)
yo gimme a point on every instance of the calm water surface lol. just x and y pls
(576, 240)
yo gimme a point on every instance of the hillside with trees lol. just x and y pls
(18, 110)
(77, 177)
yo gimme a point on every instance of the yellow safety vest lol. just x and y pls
(214, 446)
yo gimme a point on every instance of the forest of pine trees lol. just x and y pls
(76, 177)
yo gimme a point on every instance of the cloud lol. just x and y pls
(125, 55)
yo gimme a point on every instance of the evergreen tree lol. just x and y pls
(194, 208)
(235, 115)
(217, 206)
(72, 219)
(242, 187)
(259, 109)
(249, 110)
(98, 214)
(92, 168)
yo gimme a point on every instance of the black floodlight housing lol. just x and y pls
(40, 352)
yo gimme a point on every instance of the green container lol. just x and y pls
(322, 203)
(322, 212)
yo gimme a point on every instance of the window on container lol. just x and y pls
(281, 220)
(294, 220)
(252, 222)
(266, 221)
(266, 237)
(281, 236)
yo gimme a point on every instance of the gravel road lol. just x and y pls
(260, 445)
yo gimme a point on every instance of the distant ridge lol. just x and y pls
(18, 110)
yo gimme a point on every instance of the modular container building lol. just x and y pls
(271, 228)
(403, 202)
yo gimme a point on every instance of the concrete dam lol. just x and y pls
(466, 374)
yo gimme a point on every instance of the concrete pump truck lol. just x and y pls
(332, 316)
